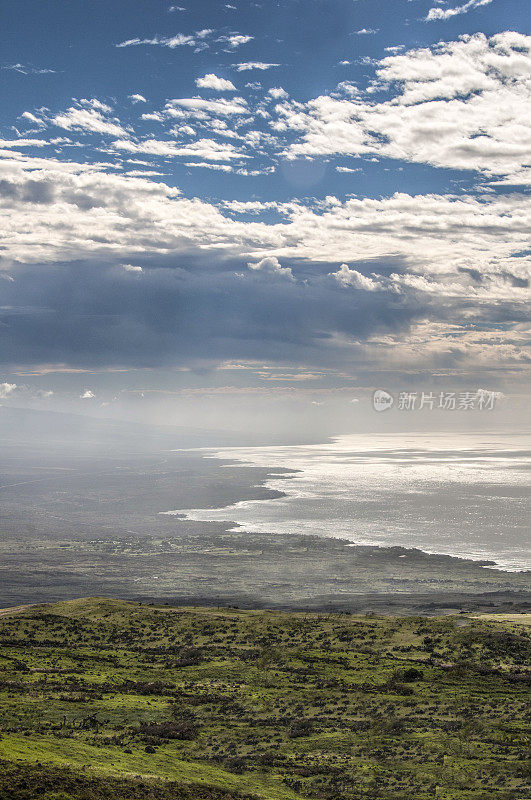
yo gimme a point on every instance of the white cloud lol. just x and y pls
(8, 143)
(367, 31)
(212, 81)
(234, 40)
(447, 13)
(6, 389)
(31, 118)
(272, 266)
(97, 104)
(137, 98)
(208, 149)
(206, 165)
(88, 394)
(351, 277)
(89, 119)
(132, 268)
(248, 65)
(462, 105)
(154, 116)
(89, 212)
(195, 105)
(179, 40)
(143, 173)
(25, 70)
(278, 93)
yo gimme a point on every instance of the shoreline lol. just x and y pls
(116, 544)
(270, 491)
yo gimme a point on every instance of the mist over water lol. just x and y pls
(464, 495)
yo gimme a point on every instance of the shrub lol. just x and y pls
(302, 727)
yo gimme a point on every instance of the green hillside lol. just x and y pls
(112, 700)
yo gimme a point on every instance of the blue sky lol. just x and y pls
(307, 196)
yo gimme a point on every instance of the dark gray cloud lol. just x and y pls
(30, 191)
(92, 315)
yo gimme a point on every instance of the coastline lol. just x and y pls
(248, 514)
(102, 535)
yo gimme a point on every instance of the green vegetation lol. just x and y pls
(110, 700)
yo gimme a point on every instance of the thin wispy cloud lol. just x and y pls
(179, 40)
(260, 65)
(447, 13)
(27, 70)
(199, 40)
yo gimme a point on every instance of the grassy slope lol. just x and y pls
(109, 699)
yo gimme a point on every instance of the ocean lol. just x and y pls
(462, 495)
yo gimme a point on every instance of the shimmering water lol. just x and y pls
(465, 495)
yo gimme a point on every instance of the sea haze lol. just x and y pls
(464, 496)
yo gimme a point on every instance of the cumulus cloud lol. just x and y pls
(278, 93)
(88, 394)
(447, 13)
(80, 211)
(351, 277)
(271, 265)
(462, 105)
(369, 267)
(91, 116)
(212, 81)
(234, 40)
(6, 389)
(405, 278)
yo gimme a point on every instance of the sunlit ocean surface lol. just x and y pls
(465, 496)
